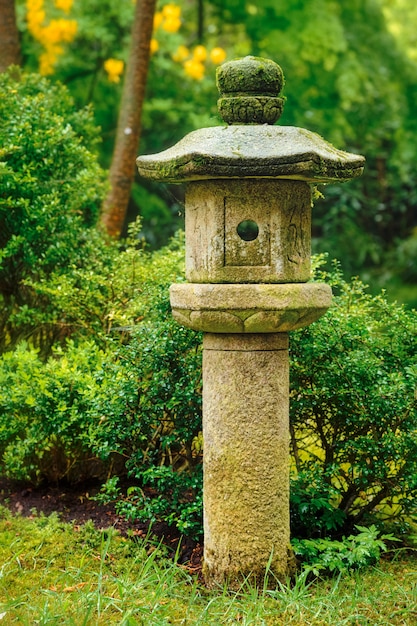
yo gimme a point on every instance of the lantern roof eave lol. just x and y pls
(252, 151)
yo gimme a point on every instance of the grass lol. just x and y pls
(55, 573)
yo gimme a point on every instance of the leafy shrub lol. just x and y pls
(326, 556)
(353, 412)
(154, 410)
(173, 497)
(314, 506)
(133, 406)
(46, 424)
(149, 409)
(51, 188)
(111, 289)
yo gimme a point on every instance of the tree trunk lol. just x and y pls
(200, 21)
(122, 169)
(9, 36)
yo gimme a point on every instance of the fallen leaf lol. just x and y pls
(74, 587)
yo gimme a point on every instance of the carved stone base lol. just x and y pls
(249, 308)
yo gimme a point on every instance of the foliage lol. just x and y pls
(149, 407)
(133, 405)
(59, 276)
(353, 412)
(50, 192)
(46, 419)
(357, 551)
(108, 291)
(314, 508)
(165, 495)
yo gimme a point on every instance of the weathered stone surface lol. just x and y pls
(246, 458)
(217, 253)
(273, 341)
(250, 75)
(249, 90)
(248, 259)
(257, 308)
(250, 151)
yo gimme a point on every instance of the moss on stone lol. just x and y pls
(246, 483)
(250, 75)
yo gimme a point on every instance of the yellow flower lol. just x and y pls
(171, 24)
(171, 11)
(200, 53)
(64, 5)
(114, 69)
(46, 68)
(157, 20)
(194, 69)
(154, 47)
(32, 6)
(181, 54)
(51, 35)
(59, 30)
(35, 16)
(217, 56)
(48, 59)
(35, 25)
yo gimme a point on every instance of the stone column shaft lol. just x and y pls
(246, 456)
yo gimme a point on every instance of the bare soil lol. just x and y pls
(74, 504)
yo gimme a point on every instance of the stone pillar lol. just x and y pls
(246, 456)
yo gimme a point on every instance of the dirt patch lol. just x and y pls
(74, 504)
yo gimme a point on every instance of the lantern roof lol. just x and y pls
(251, 146)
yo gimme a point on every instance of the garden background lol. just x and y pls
(96, 381)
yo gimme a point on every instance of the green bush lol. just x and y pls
(46, 424)
(353, 413)
(128, 401)
(51, 188)
(324, 556)
(149, 411)
(111, 289)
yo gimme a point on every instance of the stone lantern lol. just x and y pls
(248, 230)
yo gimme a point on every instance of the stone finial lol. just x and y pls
(249, 91)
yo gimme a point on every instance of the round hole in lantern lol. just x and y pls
(248, 230)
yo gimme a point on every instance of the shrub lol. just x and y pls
(46, 423)
(135, 400)
(51, 188)
(324, 556)
(111, 289)
(149, 412)
(353, 412)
